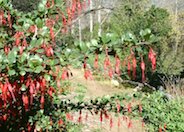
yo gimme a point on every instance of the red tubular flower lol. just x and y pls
(143, 69)
(165, 127)
(106, 115)
(111, 72)
(48, 4)
(37, 85)
(107, 62)
(6, 49)
(125, 118)
(80, 116)
(118, 106)
(89, 2)
(9, 20)
(11, 90)
(31, 91)
(129, 107)
(51, 51)
(43, 85)
(117, 65)
(52, 34)
(111, 123)
(25, 100)
(140, 108)
(152, 58)
(60, 122)
(17, 41)
(24, 42)
(130, 124)
(84, 5)
(32, 29)
(160, 129)
(119, 122)
(153, 62)
(64, 75)
(5, 117)
(29, 127)
(2, 18)
(86, 117)
(129, 68)
(69, 116)
(69, 12)
(64, 22)
(42, 101)
(50, 91)
(143, 124)
(21, 49)
(88, 74)
(134, 65)
(101, 116)
(4, 93)
(96, 61)
(53, 3)
(79, 8)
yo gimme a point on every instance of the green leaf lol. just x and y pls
(47, 77)
(24, 56)
(12, 55)
(11, 72)
(39, 41)
(38, 69)
(94, 42)
(41, 7)
(22, 73)
(23, 88)
(40, 50)
(44, 31)
(39, 23)
(33, 43)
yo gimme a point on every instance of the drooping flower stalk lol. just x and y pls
(96, 61)
(152, 58)
(9, 20)
(42, 101)
(117, 65)
(25, 101)
(134, 65)
(129, 68)
(143, 69)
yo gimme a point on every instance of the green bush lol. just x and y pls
(159, 111)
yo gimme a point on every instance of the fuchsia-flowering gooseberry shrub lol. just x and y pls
(29, 79)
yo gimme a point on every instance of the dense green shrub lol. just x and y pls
(158, 111)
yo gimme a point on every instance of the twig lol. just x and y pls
(82, 15)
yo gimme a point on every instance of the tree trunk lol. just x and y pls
(91, 19)
(99, 20)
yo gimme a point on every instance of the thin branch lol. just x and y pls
(82, 15)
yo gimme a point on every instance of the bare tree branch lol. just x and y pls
(82, 15)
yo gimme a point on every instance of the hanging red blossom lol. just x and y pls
(9, 20)
(117, 65)
(129, 68)
(152, 58)
(25, 100)
(42, 101)
(134, 65)
(96, 61)
(143, 69)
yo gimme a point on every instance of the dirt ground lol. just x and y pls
(99, 89)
